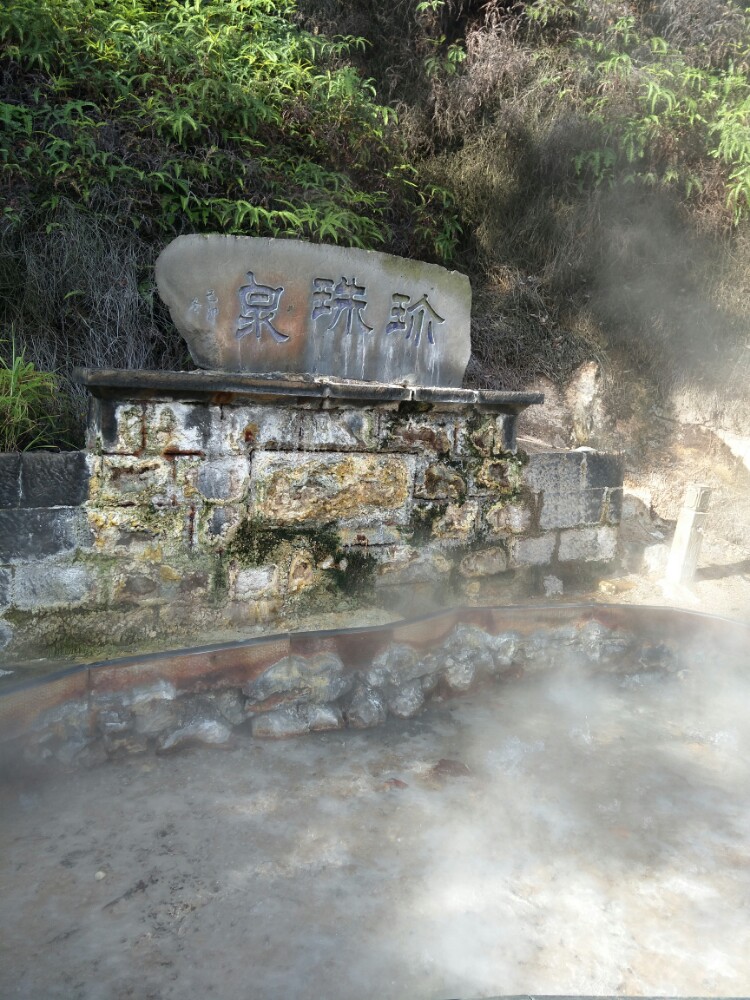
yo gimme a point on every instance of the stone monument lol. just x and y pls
(275, 306)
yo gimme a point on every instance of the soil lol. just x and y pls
(550, 834)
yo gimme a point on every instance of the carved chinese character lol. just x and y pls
(413, 319)
(343, 302)
(258, 306)
(212, 305)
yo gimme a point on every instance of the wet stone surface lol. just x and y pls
(302, 694)
(559, 833)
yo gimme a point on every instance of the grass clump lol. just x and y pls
(28, 405)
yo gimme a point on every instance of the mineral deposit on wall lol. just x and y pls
(246, 304)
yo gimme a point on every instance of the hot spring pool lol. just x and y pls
(556, 832)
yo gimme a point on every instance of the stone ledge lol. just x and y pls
(223, 388)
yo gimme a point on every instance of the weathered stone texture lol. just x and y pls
(421, 434)
(28, 534)
(6, 582)
(245, 429)
(10, 480)
(533, 551)
(256, 582)
(588, 545)
(222, 479)
(120, 480)
(484, 562)
(458, 523)
(339, 430)
(573, 487)
(299, 487)
(54, 480)
(47, 585)
(441, 482)
(285, 306)
(509, 517)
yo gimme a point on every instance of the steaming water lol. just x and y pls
(598, 844)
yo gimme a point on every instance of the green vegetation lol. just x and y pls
(126, 122)
(28, 404)
(586, 162)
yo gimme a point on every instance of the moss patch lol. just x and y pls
(422, 521)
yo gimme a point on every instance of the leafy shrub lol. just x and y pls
(29, 401)
(219, 115)
(127, 122)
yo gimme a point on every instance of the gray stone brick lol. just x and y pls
(6, 634)
(613, 506)
(115, 428)
(6, 582)
(54, 480)
(249, 428)
(339, 430)
(602, 469)
(41, 585)
(33, 534)
(567, 498)
(181, 428)
(223, 479)
(10, 480)
(533, 551)
(588, 545)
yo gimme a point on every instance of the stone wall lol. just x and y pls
(194, 512)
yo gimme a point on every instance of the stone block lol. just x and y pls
(421, 434)
(339, 430)
(181, 428)
(290, 720)
(566, 498)
(575, 487)
(6, 583)
(216, 525)
(54, 480)
(43, 585)
(34, 534)
(10, 480)
(318, 679)
(533, 551)
(394, 666)
(300, 487)
(440, 482)
(588, 544)
(213, 478)
(119, 480)
(272, 305)
(484, 562)
(458, 523)
(613, 505)
(268, 428)
(6, 635)
(145, 534)
(324, 718)
(508, 518)
(366, 708)
(116, 428)
(495, 475)
(555, 472)
(370, 534)
(602, 470)
(256, 583)
(403, 564)
(407, 701)
(489, 437)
